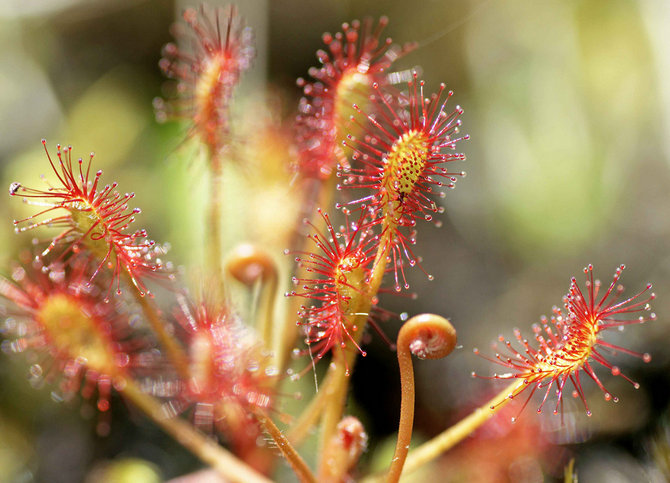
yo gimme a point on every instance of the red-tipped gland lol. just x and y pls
(72, 335)
(338, 273)
(230, 373)
(95, 221)
(399, 165)
(343, 451)
(356, 60)
(221, 48)
(570, 342)
(404, 152)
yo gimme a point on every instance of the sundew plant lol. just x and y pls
(330, 195)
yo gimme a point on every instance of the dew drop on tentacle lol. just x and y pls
(36, 371)
(103, 405)
(13, 188)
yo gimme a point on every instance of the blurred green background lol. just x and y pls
(568, 106)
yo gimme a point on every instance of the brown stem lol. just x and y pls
(203, 447)
(454, 435)
(310, 415)
(330, 403)
(450, 437)
(294, 459)
(427, 336)
(249, 265)
(214, 242)
(360, 304)
(175, 352)
(335, 399)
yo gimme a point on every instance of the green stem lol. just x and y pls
(343, 363)
(361, 303)
(310, 415)
(459, 431)
(335, 399)
(294, 459)
(175, 352)
(449, 438)
(214, 242)
(266, 305)
(231, 468)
